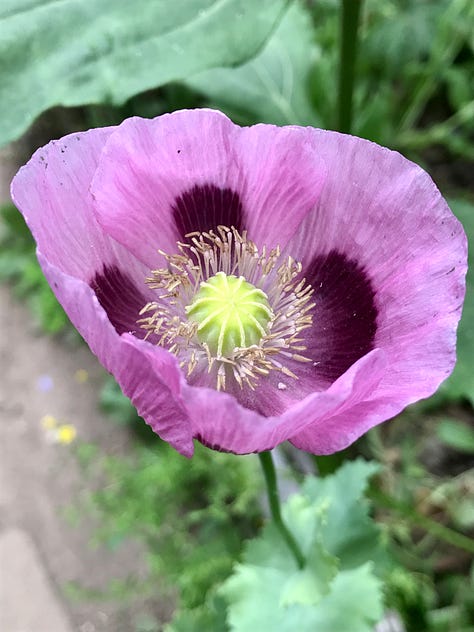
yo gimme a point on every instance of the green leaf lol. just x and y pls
(274, 86)
(267, 591)
(75, 52)
(406, 35)
(309, 585)
(355, 603)
(461, 382)
(211, 617)
(348, 533)
(457, 435)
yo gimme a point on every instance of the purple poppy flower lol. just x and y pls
(248, 286)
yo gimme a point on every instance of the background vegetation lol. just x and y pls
(409, 546)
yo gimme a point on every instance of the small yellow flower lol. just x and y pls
(66, 434)
(49, 422)
(81, 376)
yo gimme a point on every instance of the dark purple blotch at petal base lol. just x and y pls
(204, 207)
(120, 298)
(344, 317)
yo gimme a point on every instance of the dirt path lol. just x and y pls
(38, 477)
(40, 551)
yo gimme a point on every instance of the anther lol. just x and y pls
(223, 305)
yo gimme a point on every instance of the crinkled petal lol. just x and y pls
(221, 423)
(147, 165)
(383, 215)
(284, 177)
(384, 254)
(194, 170)
(340, 430)
(52, 191)
(148, 375)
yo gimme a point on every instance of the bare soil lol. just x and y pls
(40, 478)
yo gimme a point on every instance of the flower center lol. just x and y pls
(231, 313)
(228, 310)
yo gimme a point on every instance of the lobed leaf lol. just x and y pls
(338, 588)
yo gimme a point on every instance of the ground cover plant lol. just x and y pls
(386, 524)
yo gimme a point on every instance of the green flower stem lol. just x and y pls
(266, 461)
(350, 13)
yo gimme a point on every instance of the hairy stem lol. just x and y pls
(266, 461)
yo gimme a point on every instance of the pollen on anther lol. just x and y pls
(267, 331)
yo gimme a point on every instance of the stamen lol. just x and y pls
(222, 305)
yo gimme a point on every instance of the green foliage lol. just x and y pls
(412, 595)
(274, 86)
(19, 267)
(338, 584)
(457, 435)
(461, 382)
(413, 91)
(212, 617)
(190, 514)
(443, 66)
(457, 592)
(116, 405)
(410, 54)
(356, 538)
(455, 495)
(428, 519)
(75, 53)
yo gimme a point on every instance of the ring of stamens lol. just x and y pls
(227, 253)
